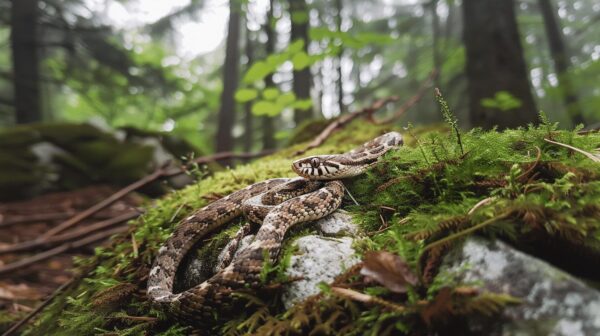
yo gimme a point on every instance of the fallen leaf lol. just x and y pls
(440, 307)
(389, 270)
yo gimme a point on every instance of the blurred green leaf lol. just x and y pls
(286, 99)
(265, 108)
(301, 60)
(257, 71)
(270, 93)
(299, 17)
(245, 95)
(303, 104)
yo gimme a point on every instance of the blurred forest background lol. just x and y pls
(101, 98)
(241, 75)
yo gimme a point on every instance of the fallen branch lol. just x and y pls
(410, 102)
(161, 172)
(368, 112)
(44, 217)
(38, 243)
(343, 120)
(60, 249)
(34, 312)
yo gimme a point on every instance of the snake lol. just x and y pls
(280, 203)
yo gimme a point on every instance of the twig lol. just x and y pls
(481, 203)
(33, 244)
(60, 249)
(535, 163)
(34, 312)
(343, 120)
(591, 156)
(161, 172)
(35, 218)
(410, 102)
(106, 202)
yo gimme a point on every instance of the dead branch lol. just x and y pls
(343, 120)
(410, 102)
(161, 172)
(43, 217)
(60, 249)
(368, 112)
(34, 312)
(75, 234)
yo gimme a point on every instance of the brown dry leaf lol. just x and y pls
(440, 307)
(389, 270)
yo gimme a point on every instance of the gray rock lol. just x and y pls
(554, 302)
(319, 259)
(337, 224)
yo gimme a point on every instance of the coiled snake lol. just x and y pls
(281, 202)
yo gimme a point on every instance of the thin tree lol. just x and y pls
(26, 72)
(495, 63)
(435, 22)
(302, 78)
(226, 116)
(248, 117)
(340, 81)
(560, 57)
(268, 123)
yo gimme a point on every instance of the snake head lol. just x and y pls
(355, 162)
(319, 167)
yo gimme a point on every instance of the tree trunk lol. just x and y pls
(560, 56)
(302, 78)
(340, 82)
(24, 17)
(268, 126)
(248, 117)
(226, 117)
(437, 63)
(495, 63)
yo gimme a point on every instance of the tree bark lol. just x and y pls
(560, 57)
(340, 82)
(248, 117)
(495, 63)
(26, 79)
(268, 123)
(226, 117)
(302, 78)
(435, 23)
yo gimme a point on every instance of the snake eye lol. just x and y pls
(314, 162)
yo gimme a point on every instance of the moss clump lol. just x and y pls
(413, 199)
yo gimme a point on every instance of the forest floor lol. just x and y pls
(533, 187)
(28, 220)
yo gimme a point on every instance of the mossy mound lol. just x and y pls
(534, 191)
(38, 158)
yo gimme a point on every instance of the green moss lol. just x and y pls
(422, 193)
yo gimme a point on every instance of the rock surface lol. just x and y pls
(320, 259)
(554, 302)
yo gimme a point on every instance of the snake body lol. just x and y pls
(280, 204)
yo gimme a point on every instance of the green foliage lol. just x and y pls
(502, 100)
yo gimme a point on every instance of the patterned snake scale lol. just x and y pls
(282, 203)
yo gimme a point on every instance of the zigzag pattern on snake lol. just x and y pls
(280, 203)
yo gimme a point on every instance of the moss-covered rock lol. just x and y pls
(417, 203)
(38, 158)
